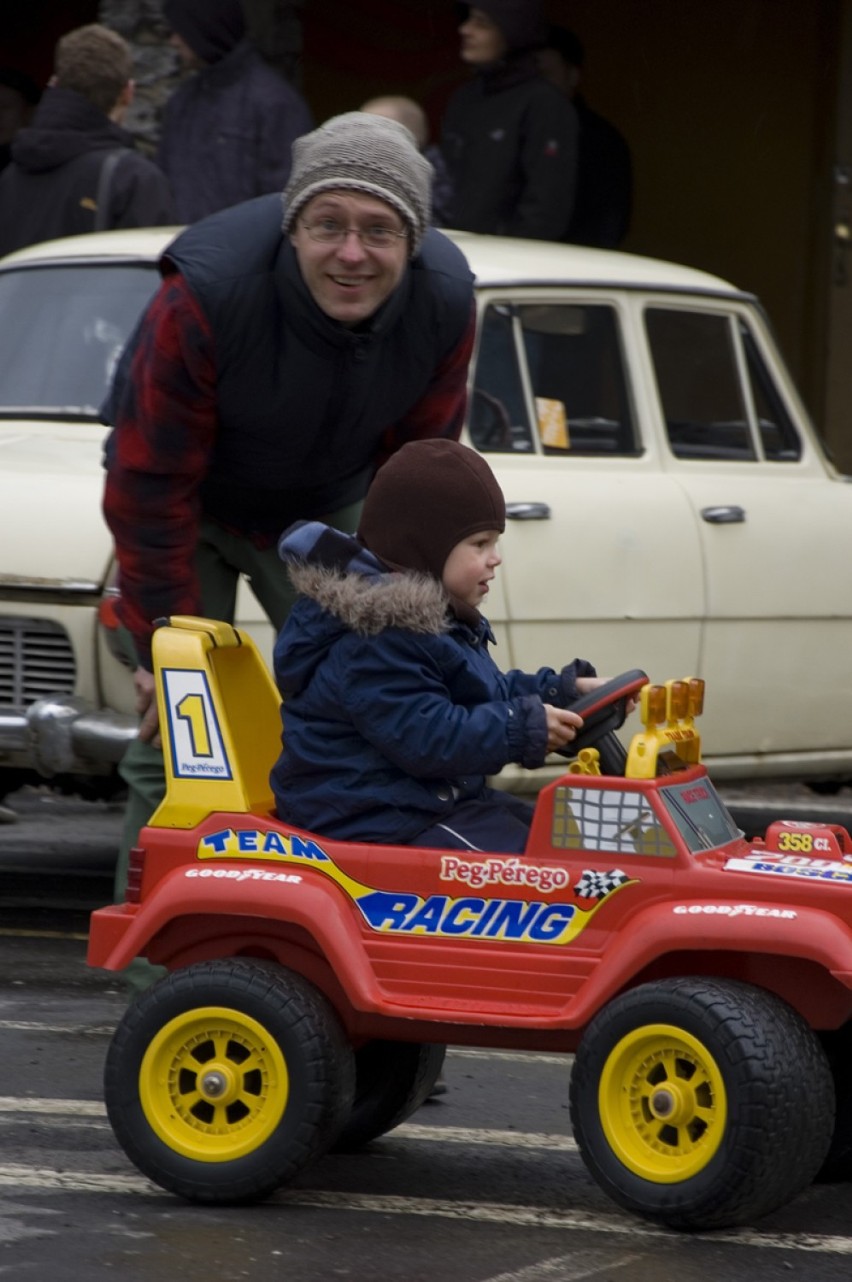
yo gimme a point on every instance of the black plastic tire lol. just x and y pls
(837, 1166)
(701, 1103)
(226, 1079)
(392, 1080)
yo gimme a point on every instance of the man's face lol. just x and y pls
(482, 41)
(349, 280)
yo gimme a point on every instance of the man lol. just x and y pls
(229, 128)
(508, 137)
(604, 181)
(74, 168)
(270, 377)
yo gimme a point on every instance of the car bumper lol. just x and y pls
(65, 735)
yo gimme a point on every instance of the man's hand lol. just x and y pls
(562, 726)
(146, 705)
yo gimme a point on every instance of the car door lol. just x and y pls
(601, 557)
(775, 528)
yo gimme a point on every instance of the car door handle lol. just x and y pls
(528, 511)
(725, 514)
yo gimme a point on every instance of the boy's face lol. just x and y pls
(470, 567)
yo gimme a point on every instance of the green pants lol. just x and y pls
(220, 560)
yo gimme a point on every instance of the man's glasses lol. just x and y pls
(328, 231)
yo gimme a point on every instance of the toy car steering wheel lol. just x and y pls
(603, 710)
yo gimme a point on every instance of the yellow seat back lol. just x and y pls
(220, 721)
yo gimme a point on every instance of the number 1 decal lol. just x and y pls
(191, 709)
(197, 746)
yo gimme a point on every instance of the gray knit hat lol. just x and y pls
(362, 152)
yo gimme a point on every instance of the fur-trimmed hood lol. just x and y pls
(345, 588)
(369, 605)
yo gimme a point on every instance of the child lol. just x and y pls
(394, 711)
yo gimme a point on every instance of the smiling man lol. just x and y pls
(280, 363)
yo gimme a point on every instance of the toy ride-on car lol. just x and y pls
(702, 981)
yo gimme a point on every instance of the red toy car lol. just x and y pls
(703, 981)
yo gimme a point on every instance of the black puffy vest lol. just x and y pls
(303, 401)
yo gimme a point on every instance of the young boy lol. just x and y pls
(394, 710)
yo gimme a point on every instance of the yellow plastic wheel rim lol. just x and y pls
(662, 1101)
(213, 1084)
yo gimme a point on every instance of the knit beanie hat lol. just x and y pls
(211, 28)
(520, 21)
(362, 152)
(427, 498)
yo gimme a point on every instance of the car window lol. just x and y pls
(550, 378)
(700, 815)
(780, 439)
(63, 331)
(607, 819)
(699, 384)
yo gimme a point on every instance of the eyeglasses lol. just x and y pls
(328, 231)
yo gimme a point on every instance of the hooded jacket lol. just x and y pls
(229, 128)
(509, 139)
(394, 709)
(50, 189)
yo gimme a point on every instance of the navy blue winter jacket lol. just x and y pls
(228, 131)
(394, 710)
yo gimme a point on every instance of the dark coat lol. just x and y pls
(604, 184)
(227, 133)
(50, 189)
(510, 142)
(394, 709)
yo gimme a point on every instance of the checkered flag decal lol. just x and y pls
(597, 885)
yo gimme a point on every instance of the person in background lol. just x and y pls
(19, 95)
(289, 352)
(74, 168)
(228, 129)
(508, 137)
(604, 183)
(411, 114)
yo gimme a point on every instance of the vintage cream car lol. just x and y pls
(670, 506)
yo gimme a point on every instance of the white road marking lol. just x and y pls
(566, 1268)
(46, 1179)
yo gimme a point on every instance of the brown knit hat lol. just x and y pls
(427, 498)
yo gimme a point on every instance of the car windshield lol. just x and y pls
(700, 814)
(64, 326)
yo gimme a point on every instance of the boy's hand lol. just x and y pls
(562, 726)
(585, 685)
